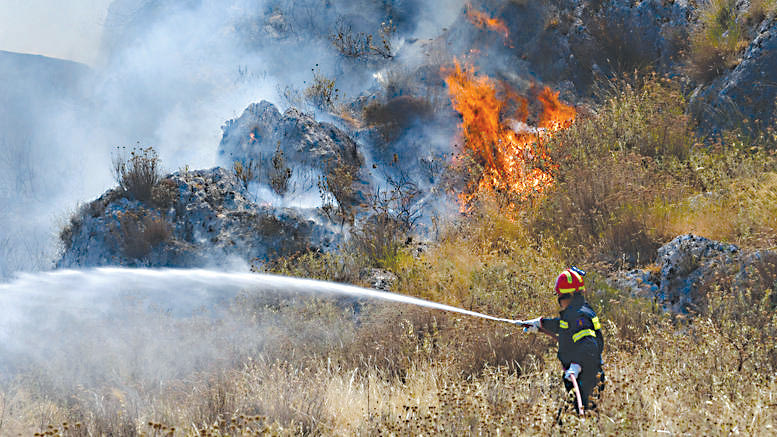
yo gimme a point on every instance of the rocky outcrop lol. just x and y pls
(684, 266)
(749, 91)
(196, 218)
(574, 40)
(292, 145)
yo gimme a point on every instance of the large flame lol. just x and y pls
(512, 154)
(483, 21)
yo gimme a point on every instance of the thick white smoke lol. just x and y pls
(169, 74)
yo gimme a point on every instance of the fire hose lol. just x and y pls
(525, 324)
(577, 394)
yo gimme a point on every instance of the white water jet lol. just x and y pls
(128, 327)
(176, 284)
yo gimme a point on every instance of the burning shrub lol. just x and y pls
(138, 173)
(511, 157)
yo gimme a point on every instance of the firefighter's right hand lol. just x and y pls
(532, 325)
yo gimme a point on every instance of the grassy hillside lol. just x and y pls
(630, 175)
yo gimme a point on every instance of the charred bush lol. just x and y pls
(246, 172)
(139, 231)
(279, 173)
(164, 194)
(362, 45)
(337, 193)
(137, 174)
(395, 212)
(392, 118)
(619, 44)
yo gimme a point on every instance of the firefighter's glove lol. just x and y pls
(574, 370)
(532, 325)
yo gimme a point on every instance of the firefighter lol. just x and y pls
(579, 335)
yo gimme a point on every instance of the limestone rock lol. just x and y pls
(310, 149)
(203, 217)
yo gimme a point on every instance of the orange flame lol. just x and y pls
(511, 156)
(483, 21)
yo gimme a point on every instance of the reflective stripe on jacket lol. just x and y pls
(579, 333)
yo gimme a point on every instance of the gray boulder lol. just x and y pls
(749, 90)
(686, 262)
(197, 218)
(304, 148)
(682, 266)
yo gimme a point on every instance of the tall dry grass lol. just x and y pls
(630, 176)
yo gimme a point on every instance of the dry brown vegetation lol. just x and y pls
(138, 173)
(139, 231)
(384, 369)
(723, 31)
(630, 176)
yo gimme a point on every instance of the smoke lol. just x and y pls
(133, 329)
(168, 75)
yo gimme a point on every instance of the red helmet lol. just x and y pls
(570, 281)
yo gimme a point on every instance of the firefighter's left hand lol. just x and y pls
(574, 370)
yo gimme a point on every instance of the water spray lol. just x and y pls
(25, 286)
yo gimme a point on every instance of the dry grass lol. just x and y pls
(350, 367)
(616, 169)
(718, 40)
(138, 173)
(669, 383)
(139, 231)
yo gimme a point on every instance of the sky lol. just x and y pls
(66, 30)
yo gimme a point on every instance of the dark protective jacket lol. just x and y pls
(579, 333)
(580, 341)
